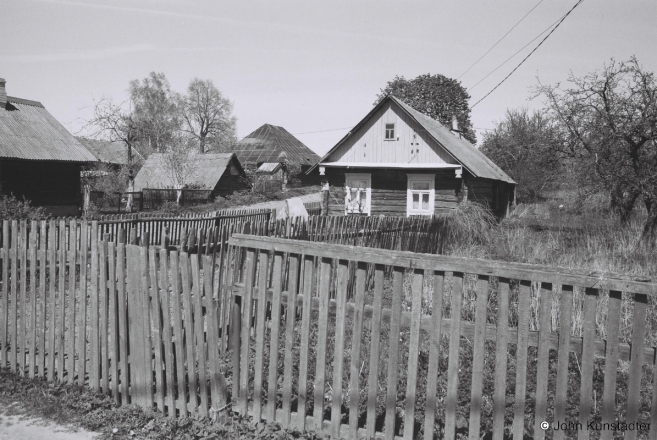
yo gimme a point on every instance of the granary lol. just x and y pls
(266, 144)
(39, 159)
(111, 153)
(220, 172)
(398, 161)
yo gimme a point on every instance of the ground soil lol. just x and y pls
(15, 424)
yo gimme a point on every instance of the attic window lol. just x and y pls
(390, 132)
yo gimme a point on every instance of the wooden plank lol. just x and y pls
(4, 307)
(413, 353)
(113, 347)
(505, 269)
(104, 315)
(322, 334)
(372, 380)
(290, 321)
(308, 275)
(587, 366)
(22, 302)
(52, 263)
(42, 300)
(393, 351)
(32, 325)
(217, 380)
(189, 329)
(13, 317)
(338, 356)
(611, 363)
(543, 364)
(356, 344)
(176, 310)
(61, 315)
(144, 297)
(197, 290)
(277, 286)
(168, 349)
(245, 332)
(434, 355)
(156, 330)
(501, 359)
(94, 317)
(638, 342)
(123, 336)
(73, 293)
(451, 400)
(261, 302)
(135, 322)
(478, 357)
(524, 297)
(561, 395)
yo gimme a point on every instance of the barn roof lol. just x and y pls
(29, 131)
(267, 142)
(206, 171)
(108, 151)
(269, 167)
(462, 150)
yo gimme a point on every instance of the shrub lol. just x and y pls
(16, 209)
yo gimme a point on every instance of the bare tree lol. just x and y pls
(608, 128)
(207, 114)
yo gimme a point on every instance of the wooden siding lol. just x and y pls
(389, 190)
(45, 183)
(368, 143)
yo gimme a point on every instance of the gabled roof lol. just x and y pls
(109, 152)
(473, 160)
(29, 131)
(269, 167)
(267, 142)
(206, 171)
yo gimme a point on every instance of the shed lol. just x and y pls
(398, 161)
(266, 144)
(39, 159)
(220, 172)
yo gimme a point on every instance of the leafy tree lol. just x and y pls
(607, 121)
(523, 146)
(207, 114)
(155, 112)
(437, 96)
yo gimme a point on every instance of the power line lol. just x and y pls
(498, 41)
(530, 54)
(324, 131)
(516, 53)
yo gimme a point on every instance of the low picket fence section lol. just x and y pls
(322, 350)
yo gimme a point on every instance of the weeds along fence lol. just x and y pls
(442, 347)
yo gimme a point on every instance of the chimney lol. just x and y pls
(3, 93)
(455, 123)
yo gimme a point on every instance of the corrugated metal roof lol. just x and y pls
(28, 131)
(206, 171)
(267, 142)
(269, 167)
(109, 152)
(463, 151)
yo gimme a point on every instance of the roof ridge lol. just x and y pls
(24, 101)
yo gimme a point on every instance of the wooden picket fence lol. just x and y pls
(320, 350)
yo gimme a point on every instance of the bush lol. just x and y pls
(16, 209)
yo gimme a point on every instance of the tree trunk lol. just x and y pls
(622, 202)
(649, 234)
(201, 147)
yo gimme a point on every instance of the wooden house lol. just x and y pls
(266, 144)
(221, 173)
(398, 161)
(39, 159)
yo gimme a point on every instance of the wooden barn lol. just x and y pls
(399, 162)
(221, 173)
(39, 159)
(266, 144)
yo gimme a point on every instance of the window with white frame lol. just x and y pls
(390, 132)
(421, 194)
(358, 193)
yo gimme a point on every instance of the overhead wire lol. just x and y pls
(530, 53)
(498, 41)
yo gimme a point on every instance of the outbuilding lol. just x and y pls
(397, 161)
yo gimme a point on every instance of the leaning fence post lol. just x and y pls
(234, 332)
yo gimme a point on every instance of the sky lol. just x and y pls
(314, 68)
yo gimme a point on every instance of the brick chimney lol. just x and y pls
(3, 93)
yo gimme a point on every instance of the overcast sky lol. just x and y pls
(308, 66)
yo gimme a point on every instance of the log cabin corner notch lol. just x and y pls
(398, 161)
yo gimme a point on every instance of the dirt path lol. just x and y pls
(15, 426)
(315, 197)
